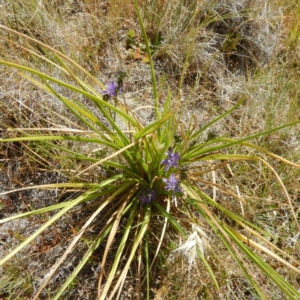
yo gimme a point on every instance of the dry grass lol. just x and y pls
(211, 54)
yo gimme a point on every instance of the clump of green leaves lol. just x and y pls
(130, 39)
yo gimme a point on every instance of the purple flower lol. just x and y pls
(111, 89)
(172, 184)
(147, 195)
(171, 160)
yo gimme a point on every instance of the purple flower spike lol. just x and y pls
(147, 195)
(171, 160)
(172, 184)
(111, 89)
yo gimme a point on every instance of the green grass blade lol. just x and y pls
(53, 50)
(209, 124)
(73, 88)
(56, 206)
(59, 138)
(209, 269)
(83, 262)
(121, 247)
(190, 155)
(171, 219)
(152, 127)
(146, 247)
(136, 243)
(144, 33)
(272, 274)
(46, 225)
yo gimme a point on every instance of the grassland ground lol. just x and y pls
(208, 56)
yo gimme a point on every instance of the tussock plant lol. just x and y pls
(136, 188)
